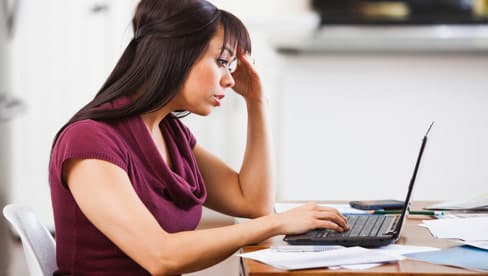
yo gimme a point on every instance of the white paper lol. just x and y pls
(394, 249)
(271, 255)
(337, 257)
(305, 248)
(462, 214)
(342, 208)
(468, 229)
(401, 249)
(359, 266)
(479, 244)
(479, 202)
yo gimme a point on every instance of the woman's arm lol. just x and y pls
(250, 192)
(106, 197)
(256, 176)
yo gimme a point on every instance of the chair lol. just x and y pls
(38, 244)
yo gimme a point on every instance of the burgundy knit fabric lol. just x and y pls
(174, 196)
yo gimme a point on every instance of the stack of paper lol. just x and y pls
(461, 256)
(468, 229)
(472, 255)
(303, 260)
(479, 244)
(332, 256)
(479, 203)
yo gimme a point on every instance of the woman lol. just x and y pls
(128, 179)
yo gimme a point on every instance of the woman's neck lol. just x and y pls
(153, 119)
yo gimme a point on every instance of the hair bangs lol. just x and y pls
(235, 33)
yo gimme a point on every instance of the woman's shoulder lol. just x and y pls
(91, 139)
(87, 127)
(87, 124)
(91, 133)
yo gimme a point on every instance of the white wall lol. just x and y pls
(351, 125)
(348, 125)
(61, 54)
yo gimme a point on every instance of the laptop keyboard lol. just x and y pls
(361, 226)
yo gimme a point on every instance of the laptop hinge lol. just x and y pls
(392, 227)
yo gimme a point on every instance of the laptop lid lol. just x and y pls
(408, 199)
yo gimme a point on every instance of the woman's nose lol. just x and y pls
(227, 80)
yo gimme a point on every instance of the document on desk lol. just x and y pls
(478, 244)
(343, 208)
(392, 249)
(468, 229)
(479, 203)
(326, 258)
(460, 256)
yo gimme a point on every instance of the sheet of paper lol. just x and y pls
(461, 256)
(478, 244)
(462, 214)
(477, 203)
(400, 249)
(305, 248)
(468, 229)
(336, 257)
(272, 254)
(358, 266)
(395, 249)
(343, 208)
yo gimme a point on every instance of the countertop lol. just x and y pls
(405, 38)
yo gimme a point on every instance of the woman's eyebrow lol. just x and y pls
(228, 50)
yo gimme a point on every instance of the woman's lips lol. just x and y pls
(217, 99)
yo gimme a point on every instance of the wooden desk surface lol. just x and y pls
(412, 234)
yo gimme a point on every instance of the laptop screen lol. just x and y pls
(412, 181)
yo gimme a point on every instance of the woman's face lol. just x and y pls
(208, 79)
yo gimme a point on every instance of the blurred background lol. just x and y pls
(353, 85)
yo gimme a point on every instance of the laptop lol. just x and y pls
(366, 230)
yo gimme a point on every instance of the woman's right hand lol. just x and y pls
(311, 216)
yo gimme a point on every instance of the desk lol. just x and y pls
(412, 234)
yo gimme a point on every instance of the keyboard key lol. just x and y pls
(356, 229)
(369, 224)
(377, 226)
(386, 226)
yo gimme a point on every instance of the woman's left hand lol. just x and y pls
(247, 80)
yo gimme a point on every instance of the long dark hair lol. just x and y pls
(169, 37)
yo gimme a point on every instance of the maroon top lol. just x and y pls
(173, 196)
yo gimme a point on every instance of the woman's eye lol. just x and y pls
(222, 62)
(229, 65)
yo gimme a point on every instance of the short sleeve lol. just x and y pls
(89, 140)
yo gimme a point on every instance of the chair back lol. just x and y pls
(38, 244)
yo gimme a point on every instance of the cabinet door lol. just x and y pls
(61, 54)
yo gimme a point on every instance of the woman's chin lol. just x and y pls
(203, 112)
